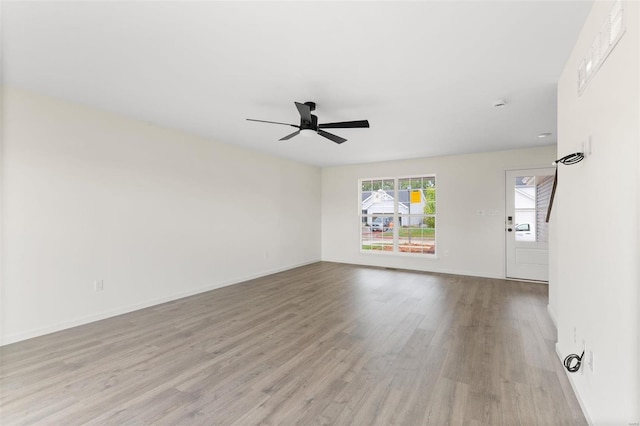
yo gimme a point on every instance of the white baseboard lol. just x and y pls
(553, 318)
(575, 390)
(63, 325)
(410, 268)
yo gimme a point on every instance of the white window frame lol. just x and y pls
(396, 217)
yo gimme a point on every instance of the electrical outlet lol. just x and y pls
(98, 285)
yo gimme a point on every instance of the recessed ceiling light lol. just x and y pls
(544, 135)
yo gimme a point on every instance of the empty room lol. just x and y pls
(320, 212)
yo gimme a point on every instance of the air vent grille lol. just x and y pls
(609, 35)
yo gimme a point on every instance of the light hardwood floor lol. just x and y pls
(321, 344)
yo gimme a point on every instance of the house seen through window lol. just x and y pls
(398, 215)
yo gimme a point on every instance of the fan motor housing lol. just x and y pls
(306, 125)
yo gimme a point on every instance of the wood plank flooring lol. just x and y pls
(321, 344)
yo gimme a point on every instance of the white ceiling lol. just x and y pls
(425, 74)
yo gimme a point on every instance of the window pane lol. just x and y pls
(430, 197)
(417, 235)
(377, 233)
(404, 183)
(531, 198)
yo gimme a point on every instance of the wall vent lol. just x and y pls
(609, 35)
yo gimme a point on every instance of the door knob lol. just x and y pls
(509, 229)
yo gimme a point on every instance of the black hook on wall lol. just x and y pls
(572, 362)
(567, 160)
(570, 159)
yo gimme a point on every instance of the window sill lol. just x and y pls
(399, 254)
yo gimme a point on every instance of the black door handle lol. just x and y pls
(509, 229)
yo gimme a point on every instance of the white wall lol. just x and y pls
(153, 212)
(598, 272)
(466, 184)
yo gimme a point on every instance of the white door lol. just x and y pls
(526, 230)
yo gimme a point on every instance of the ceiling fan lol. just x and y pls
(309, 124)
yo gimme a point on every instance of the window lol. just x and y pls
(398, 215)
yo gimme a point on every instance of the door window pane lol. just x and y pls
(531, 198)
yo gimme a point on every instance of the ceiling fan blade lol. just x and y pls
(336, 139)
(272, 122)
(305, 111)
(345, 125)
(290, 136)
